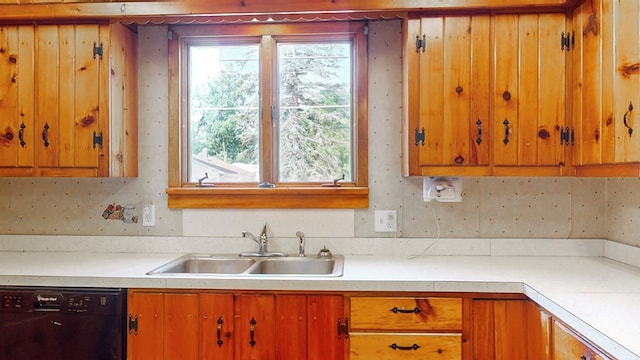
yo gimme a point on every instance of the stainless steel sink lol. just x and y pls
(198, 264)
(233, 265)
(294, 265)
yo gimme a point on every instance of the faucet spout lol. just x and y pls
(250, 236)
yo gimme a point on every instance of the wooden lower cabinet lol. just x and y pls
(263, 325)
(209, 325)
(406, 346)
(405, 328)
(216, 324)
(510, 329)
(145, 325)
(567, 345)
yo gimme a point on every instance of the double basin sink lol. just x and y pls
(234, 265)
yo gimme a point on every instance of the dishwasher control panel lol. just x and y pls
(14, 301)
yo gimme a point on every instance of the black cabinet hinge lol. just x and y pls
(567, 40)
(133, 324)
(567, 136)
(419, 136)
(343, 328)
(421, 43)
(97, 50)
(97, 139)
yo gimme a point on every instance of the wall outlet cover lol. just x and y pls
(443, 189)
(385, 221)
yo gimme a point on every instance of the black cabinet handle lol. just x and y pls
(394, 346)
(219, 332)
(479, 126)
(626, 118)
(395, 310)
(506, 131)
(45, 135)
(21, 134)
(252, 330)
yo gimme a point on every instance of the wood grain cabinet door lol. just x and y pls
(529, 76)
(145, 340)
(448, 95)
(324, 314)
(510, 329)
(567, 345)
(67, 96)
(606, 88)
(255, 326)
(17, 106)
(180, 326)
(216, 326)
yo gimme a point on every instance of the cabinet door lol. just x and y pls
(17, 105)
(567, 345)
(291, 327)
(450, 132)
(216, 326)
(180, 326)
(255, 327)
(324, 313)
(67, 96)
(146, 341)
(510, 329)
(529, 99)
(607, 88)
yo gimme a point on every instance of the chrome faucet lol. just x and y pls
(262, 241)
(300, 236)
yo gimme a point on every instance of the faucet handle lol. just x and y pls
(263, 234)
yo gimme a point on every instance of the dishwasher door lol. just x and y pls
(57, 324)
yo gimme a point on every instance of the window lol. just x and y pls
(268, 116)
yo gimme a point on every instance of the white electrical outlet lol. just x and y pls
(149, 215)
(385, 221)
(443, 189)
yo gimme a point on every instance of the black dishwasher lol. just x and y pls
(62, 323)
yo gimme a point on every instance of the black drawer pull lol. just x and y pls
(395, 310)
(394, 346)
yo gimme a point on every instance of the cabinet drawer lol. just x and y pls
(407, 346)
(568, 346)
(406, 313)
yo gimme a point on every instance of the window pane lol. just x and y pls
(224, 113)
(315, 141)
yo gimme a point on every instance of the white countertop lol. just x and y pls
(597, 296)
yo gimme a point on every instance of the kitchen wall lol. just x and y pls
(557, 208)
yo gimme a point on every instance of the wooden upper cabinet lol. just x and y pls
(489, 92)
(72, 104)
(606, 88)
(447, 77)
(529, 114)
(16, 93)
(67, 96)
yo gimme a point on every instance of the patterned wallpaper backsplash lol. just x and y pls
(554, 208)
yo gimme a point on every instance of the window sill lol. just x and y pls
(275, 198)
